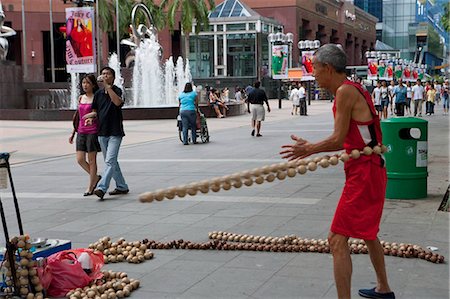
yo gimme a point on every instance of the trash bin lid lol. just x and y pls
(404, 120)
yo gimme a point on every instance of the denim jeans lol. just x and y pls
(188, 119)
(110, 148)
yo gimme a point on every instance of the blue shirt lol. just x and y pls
(400, 94)
(187, 100)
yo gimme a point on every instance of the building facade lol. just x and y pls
(237, 52)
(412, 27)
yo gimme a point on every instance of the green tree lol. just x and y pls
(191, 10)
(107, 12)
(445, 18)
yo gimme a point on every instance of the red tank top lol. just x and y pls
(361, 134)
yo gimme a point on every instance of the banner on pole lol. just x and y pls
(80, 46)
(372, 71)
(307, 65)
(280, 67)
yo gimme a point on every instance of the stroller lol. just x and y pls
(202, 128)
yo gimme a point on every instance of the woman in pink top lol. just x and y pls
(87, 142)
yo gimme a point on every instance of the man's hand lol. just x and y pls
(248, 110)
(88, 121)
(268, 108)
(299, 149)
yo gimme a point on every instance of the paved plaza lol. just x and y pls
(50, 185)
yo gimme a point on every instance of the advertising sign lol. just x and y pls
(307, 65)
(80, 46)
(372, 71)
(280, 61)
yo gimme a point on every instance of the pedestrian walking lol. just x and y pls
(384, 98)
(445, 92)
(87, 141)
(417, 96)
(400, 98)
(376, 98)
(302, 95)
(391, 88)
(107, 106)
(295, 98)
(408, 97)
(359, 210)
(431, 97)
(188, 105)
(257, 98)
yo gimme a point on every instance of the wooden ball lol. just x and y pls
(282, 166)
(324, 163)
(248, 182)
(312, 166)
(259, 180)
(317, 159)
(302, 162)
(377, 149)
(191, 190)
(384, 148)
(334, 160)
(215, 188)
(237, 184)
(274, 167)
(181, 191)
(355, 154)
(367, 151)
(159, 195)
(204, 189)
(170, 194)
(291, 172)
(256, 172)
(270, 177)
(344, 157)
(266, 169)
(292, 164)
(281, 175)
(302, 169)
(226, 186)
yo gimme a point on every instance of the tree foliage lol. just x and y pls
(445, 19)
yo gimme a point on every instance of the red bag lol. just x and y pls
(62, 271)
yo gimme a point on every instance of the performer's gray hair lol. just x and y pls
(332, 55)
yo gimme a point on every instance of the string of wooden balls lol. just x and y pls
(113, 285)
(297, 244)
(27, 281)
(120, 251)
(259, 175)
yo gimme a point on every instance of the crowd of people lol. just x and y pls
(406, 99)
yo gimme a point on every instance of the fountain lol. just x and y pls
(155, 85)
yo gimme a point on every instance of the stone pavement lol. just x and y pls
(49, 186)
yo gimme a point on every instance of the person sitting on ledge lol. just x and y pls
(215, 102)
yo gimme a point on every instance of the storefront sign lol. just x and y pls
(80, 46)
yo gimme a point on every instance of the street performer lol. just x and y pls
(361, 204)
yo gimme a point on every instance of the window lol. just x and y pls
(235, 27)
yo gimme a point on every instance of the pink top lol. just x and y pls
(84, 109)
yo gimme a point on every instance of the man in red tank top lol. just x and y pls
(360, 207)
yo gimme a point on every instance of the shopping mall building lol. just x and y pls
(234, 49)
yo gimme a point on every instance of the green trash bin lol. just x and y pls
(406, 158)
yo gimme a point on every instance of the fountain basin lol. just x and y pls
(128, 113)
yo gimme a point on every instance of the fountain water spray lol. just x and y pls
(114, 63)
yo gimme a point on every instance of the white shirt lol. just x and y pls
(377, 96)
(408, 92)
(302, 92)
(384, 93)
(417, 92)
(391, 91)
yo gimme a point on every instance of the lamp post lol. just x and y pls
(304, 46)
(280, 38)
